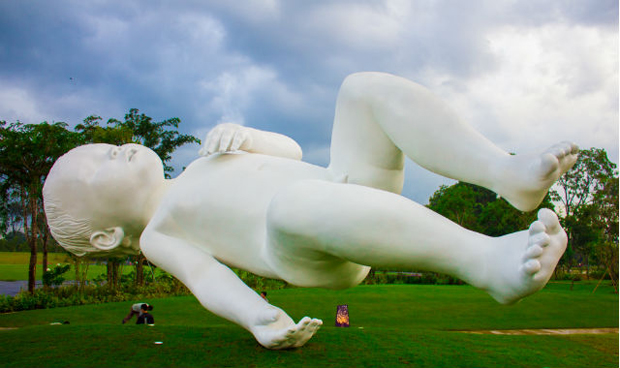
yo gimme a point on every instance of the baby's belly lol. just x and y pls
(225, 200)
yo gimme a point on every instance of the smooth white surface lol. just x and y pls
(250, 203)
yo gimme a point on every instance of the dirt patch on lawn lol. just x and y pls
(546, 331)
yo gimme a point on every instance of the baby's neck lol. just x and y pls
(155, 199)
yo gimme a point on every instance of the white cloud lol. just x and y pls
(17, 104)
(256, 11)
(358, 26)
(556, 82)
(233, 91)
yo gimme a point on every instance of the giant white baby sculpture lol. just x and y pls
(250, 203)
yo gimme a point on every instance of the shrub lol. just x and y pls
(93, 293)
(393, 277)
(98, 291)
(54, 276)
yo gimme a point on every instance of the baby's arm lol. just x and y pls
(219, 290)
(230, 137)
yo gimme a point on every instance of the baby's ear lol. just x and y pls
(107, 239)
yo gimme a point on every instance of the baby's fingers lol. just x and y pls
(226, 140)
(241, 137)
(212, 142)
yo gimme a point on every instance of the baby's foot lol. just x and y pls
(524, 181)
(276, 330)
(523, 262)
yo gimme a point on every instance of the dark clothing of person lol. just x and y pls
(145, 318)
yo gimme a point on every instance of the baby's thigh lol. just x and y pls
(305, 267)
(299, 240)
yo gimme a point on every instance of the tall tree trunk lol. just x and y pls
(31, 238)
(81, 271)
(112, 270)
(610, 263)
(45, 237)
(32, 266)
(76, 264)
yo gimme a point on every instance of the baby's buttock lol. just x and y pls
(324, 271)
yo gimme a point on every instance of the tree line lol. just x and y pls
(585, 199)
(28, 151)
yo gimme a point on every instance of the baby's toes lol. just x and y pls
(549, 219)
(567, 148)
(549, 163)
(539, 239)
(536, 227)
(574, 149)
(559, 150)
(531, 266)
(534, 251)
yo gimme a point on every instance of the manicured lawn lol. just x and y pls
(14, 266)
(391, 326)
(23, 258)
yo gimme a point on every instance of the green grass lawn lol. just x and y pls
(23, 258)
(14, 266)
(391, 326)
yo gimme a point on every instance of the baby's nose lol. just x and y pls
(130, 152)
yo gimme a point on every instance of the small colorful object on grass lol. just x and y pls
(342, 316)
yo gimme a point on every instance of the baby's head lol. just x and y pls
(98, 198)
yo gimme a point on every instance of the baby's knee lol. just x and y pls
(367, 82)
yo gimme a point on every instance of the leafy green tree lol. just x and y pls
(589, 175)
(480, 209)
(27, 152)
(582, 193)
(461, 203)
(14, 242)
(162, 137)
(604, 208)
(11, 219)
(92, 132)
(500, 218)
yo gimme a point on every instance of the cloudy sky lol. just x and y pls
(524, 73)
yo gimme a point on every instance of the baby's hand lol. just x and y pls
(226, 137)
(276, 330)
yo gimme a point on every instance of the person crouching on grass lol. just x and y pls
(139, 309)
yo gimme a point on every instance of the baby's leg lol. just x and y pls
(319, 232)
(380, 116)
